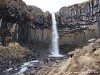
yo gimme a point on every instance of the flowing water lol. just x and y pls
(0, 22)
(22, 69)
(25, 66)
(55, 37)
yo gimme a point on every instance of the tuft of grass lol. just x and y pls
(13, 44)
(14, 50)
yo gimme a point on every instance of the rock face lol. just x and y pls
(77, 21)
(18, 21)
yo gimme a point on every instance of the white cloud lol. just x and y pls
(52, 5)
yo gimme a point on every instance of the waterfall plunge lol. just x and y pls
(0, 22)
(55, 47)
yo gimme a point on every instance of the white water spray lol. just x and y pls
(0, 22)
(55, 47)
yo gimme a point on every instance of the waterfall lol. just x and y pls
(55, 47)
(0, 22)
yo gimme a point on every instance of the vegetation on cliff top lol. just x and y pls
(17, 9)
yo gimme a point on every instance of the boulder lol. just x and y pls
(97, 42)
(92, 40)
(73, 52)
(89, 48)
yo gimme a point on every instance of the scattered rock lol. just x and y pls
(92, 40)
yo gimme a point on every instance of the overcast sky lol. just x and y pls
(52, 5)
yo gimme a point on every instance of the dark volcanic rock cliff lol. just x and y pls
(79, 22)
(17, 20)
(74, 16)
(25, 25)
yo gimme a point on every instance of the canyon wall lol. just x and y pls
(79, 23)
(23, 23)
(26, 24)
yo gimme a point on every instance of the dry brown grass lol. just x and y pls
(13, 50)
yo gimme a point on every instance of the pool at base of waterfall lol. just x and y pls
(56, 55)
